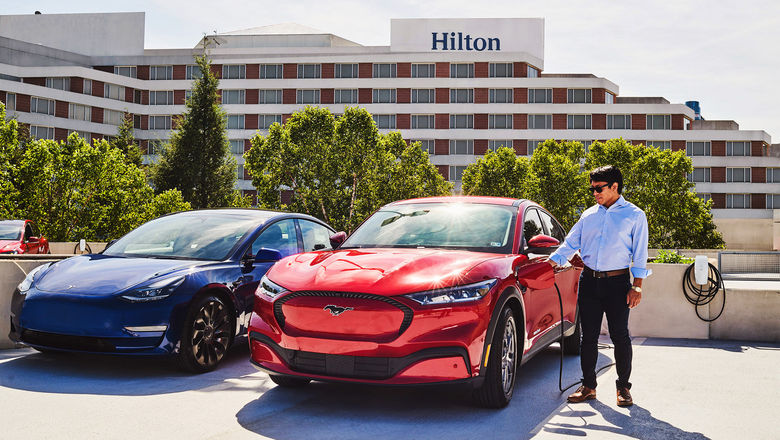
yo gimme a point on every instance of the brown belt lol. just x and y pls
(605, 274)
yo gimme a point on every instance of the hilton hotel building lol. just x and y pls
(459, 86)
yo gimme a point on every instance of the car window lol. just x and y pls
(315, 236)
(27, 232)
(532, 225)
(552, 227)
(34, 230)
(280, 236)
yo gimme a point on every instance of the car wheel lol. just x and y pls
(571, 344)
(289, 382)
(499, 384)
(206, 336)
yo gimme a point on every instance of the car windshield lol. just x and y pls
(194, 235)
(470, 226)
(10, 231)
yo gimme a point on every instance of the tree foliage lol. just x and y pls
(197, 160)
(125, 141)
(339, 170)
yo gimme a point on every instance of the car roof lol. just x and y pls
(245, 213)
(13, 222)
(504, 201)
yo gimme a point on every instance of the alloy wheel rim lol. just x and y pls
(508, 355)
(210, 334)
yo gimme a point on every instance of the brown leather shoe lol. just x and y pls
(582, 394)
(624, 397)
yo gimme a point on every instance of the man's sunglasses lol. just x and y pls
(598, 188)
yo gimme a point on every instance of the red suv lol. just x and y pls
(21, 237)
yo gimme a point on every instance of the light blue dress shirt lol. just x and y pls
(609, 239)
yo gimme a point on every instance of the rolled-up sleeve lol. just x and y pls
(570, 245)
(639, 247)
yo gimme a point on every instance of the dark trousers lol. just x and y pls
(598, 296)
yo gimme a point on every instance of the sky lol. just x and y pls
(724, 54)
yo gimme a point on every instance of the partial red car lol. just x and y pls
(449, 289)
(21, 237)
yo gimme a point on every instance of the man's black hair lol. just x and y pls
(609, 174)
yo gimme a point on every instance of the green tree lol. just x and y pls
(10, 153)
(125, 141)
(500, 173)
(560, 184)
(197, 161)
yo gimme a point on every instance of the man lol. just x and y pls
(610, 235)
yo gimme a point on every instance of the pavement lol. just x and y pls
(683, 389)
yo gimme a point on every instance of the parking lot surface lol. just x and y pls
(683, 389)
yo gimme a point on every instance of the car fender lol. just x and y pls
(509, 294)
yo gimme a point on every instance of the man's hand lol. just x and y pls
(552, 263)
(633, 298)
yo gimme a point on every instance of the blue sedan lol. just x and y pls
(182, 284)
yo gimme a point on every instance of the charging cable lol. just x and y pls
(703, 294)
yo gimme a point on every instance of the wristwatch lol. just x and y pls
(637, 289)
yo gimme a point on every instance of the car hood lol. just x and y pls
(378, 271)
(10, 244)
(103, 275)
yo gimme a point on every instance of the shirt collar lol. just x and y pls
(619, 202)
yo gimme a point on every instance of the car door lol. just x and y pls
(566, 276)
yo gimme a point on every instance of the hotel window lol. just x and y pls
(738, 174)
(499, 121)
(461, 96)
(773, 201)
(235, 122)
(659, 122)
(113, 117)
(461, 121)
(494, 145)
(461, 70)
(618, 122)
(539, 122)
(79, 112)
(385, 70)
(456, 172)
(539, 96)
(384, 122)
(773, 175)
(42, 105)
(230, 96)
(661, 145)
(271, 71)
(240, 171)
(346, 71)
(737, 148)
(699, 175)
(137, 96)
(309, 71)
(586, 145)
(193, 72)
(236, 146)
(10, 102)
(423, 96)
(87, 86)
(163, 97)
(58, 83)
(345, 96)
(137, 121)
(422, 121)
(500, 96)
(737, 201)
(580, 96)
(698, 148)
(270, 97)
(704, 196)
(160, 72)
(129, 71)
(426, 145)
(533, 72)
(423, 70)
(113, 91)
(533, 145)
(41, 132)
(156, 146)
(609, 98)
(500, 70)
(578, 122)
(384, 96)
(311, 96)
(234, 71)
(159, 122)
(187, 95)
(461, 146)
(266, 121)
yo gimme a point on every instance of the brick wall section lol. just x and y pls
(77, 85)
(60, 134)
(179, 97)
(364, 96)
(290, 71)
(718, 174)
(129, 94)
(247, 145)
(444, 170)
(176, 121)
(442, 122)
(598, 96)
(403, 96)
(403, 121)
(480, 121)
(143, 145)
(288, 96)
(365, 70)
(481, 70)
(441, 146)
(286, 117)
(559, 121)
(442, 96)
(599, 122)
(520, 96)
(520, 146)
(142, 72)
(246, 174)
(442, 70)
(326, 96)
(638, 122)
(757, 148)
(480, 146)
(328, 70)
(677, 145)
(718, 148)
(481, 96)
(97, 88)
(61, 109)
(678, 122)
(404, 70)
(520, 70)
(145, 97)
(560, 96)
(718, 200)
(251, 122)
(144, 122)
(97, 115)
(216, 70)
(758, 174)
(758, 201)
(179, 71)
(3, 97)
(520, 121)
(252, 71)
(252, 96)
(36, 81)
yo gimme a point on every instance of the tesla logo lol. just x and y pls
(336, 310)
(70, 286)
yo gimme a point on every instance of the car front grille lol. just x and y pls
(67, 342)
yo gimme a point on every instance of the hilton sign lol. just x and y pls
(460, 42)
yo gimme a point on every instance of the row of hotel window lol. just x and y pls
(733, 174)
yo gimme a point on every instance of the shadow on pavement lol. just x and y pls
(77, 373)
(732, 346)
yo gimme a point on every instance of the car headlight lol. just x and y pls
(457, 294)
(25, 285)
(152, 292)
(269, 288)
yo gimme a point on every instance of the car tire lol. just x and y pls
(571, 344)
(289, 382)
(206, 336)
(499, 383)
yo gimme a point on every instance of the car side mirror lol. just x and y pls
(542, 241)
(537, 276)
(33, 239)
(337, 239)
(267, 255)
